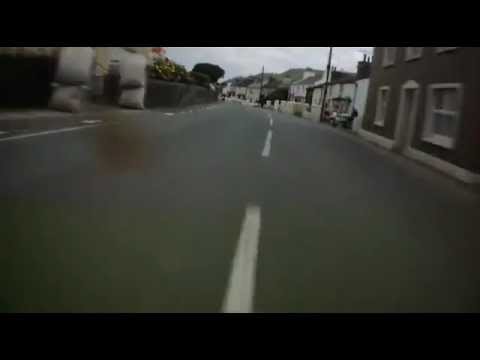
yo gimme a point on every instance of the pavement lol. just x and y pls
(229, 208)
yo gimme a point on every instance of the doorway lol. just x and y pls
(407, 115)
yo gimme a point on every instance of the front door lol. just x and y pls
(406, 118)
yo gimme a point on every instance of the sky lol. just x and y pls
(244, 61)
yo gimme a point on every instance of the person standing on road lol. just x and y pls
(353, 117)
(262, 101)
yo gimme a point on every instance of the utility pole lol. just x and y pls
(325, 86)
(261, 85)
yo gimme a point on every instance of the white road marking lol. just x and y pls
(91, 122)
(48, 132)
(241, 285)
(268, 144)
(169, 114)
(271, 120)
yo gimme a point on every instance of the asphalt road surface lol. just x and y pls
(226, 208)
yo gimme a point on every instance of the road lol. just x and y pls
(233, 209)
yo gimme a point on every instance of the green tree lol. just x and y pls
(200, 78)
(214, 72)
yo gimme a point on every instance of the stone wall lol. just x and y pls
(169, 94)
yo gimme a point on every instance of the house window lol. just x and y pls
(389, 54)
(443, 114)
(382, 105)
(444, 49)
(413, 53)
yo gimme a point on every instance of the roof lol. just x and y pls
(339, 77)
(310, 80)
(244, 82)
(269, 83)
(297, 74)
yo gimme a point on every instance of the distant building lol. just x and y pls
(423, 102)
(346, 91)
(341, 94)
(253, 90)
(298, 90)
(335, 77)
(239, 87)
(226, 88)
(240, 91)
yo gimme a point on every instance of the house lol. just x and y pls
(340, 95)
(239, 87)
(361, 92)
(350, 92)
(239, 91)
(227, 88)
(335, 77)
(253, 90)
(423, 103)
(298, 89)
(346, 91)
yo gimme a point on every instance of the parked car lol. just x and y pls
(341, 119)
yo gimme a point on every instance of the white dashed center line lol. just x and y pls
(268, 144)
(169, 114)
(241, 285)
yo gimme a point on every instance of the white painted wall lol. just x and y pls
(341, 90)
(361, 102)
(298, 91)
(239, 90)
(317, 96)
(349, 91)
(227, 89)
(253, 94)
(313, 114)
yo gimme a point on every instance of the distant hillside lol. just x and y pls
(297, 74)
(286, 77)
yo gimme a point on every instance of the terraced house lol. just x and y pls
(424, 103)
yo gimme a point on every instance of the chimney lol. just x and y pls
(363, 69)
(364, 57)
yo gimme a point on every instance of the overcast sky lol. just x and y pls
(243, 61)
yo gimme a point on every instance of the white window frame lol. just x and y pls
(440, 50)
(385, 61)
(409, 56)
(381, 122)
(428, 134)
